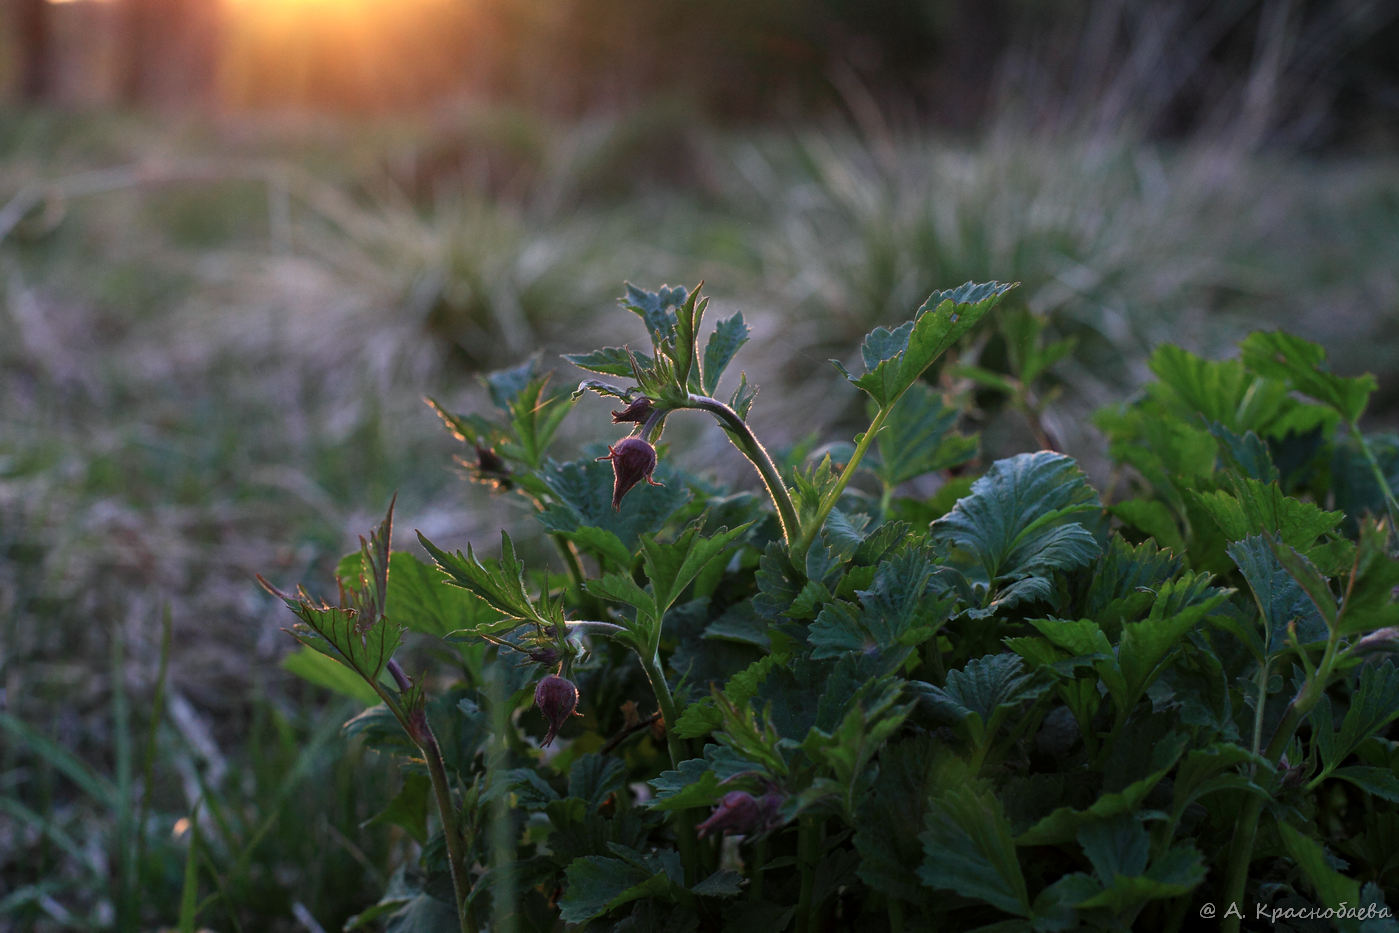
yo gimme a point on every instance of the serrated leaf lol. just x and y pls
(609, 361)
(1064, 823)
(1257, 508)
(408, 808)
(968, 848)
(723, 345)
(421, 600)
(583, 493)
(1378, 782)
(692, 784)
(1246, 453)
(1302, 365)
(1024, 520)
(594, 778)
(505, 385)
(1281, 599)
(672, 566)
(1115, 845)
(320, 669)
(895, 359)
(901, 608)
(685, 350)
(918, 438)
(597, 884)
(1329, 885)
(1374, 704)
(499, 582)
(1372, 598)
(980, 688)
(656, 309)
(890, 816)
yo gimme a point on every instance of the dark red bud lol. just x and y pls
(637, 411)
(632, 461)
(740, 813)
(557, 699)
(488, 461)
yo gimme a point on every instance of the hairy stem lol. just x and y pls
(415, 723)
(747, 442)
(1390, 504)
(684, 819)
(828, 502)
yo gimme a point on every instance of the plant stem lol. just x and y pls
(1390, 504)
(833, 495)
(415, 723)
(747, 442)
(684, 819)
(1246, 829)
(808, 854)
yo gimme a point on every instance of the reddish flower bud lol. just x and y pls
(740, 813)
(632, 461)
(557, 699)
(637, 411)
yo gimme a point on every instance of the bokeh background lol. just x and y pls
(241, 239)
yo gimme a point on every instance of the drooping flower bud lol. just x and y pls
(557, 699)
(632, 461)
(739, 813)
(638, 410)
(490, 468)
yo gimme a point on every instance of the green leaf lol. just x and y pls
(340, 634)
(594, 778)
(902, 608)
(1378, 782)
(890, 815)
(499, 582)
(983, 686)
(1281, 599)
(1374, 704)
(423, 601)
(1255, 508)
(1153, 517)
(1180, 606)
(685, 351)
(895, 359)
(1115, 845)
(968, 849)
(609, 361)
(918, 438)
(672, 566)
(1372, 598)
(1064, 823)
(596, 884)
(1330, 886)
(1023, 521)
(1302, 365)
(315, 667)
(583, 493)
(693, 784)
(724, 342)
(656, 309)
(408, 808)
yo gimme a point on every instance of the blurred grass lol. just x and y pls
(219, 336)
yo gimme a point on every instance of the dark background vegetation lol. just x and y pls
(239, 241)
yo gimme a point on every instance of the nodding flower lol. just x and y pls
(739, 813)
(557, 699)
(638, 410)
(633, 459)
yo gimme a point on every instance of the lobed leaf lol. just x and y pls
(968, 848)
(895, 359)
(1302, 365)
